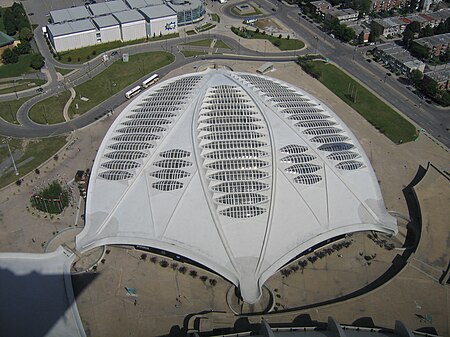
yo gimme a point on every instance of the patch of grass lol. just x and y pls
(191, 32)
(221, 44)
(281, 43)
(199, 43)
(34, 153)
(17, 69)
(116, 77)
(63, 71)
(50, 110)
(82, 55)
(19, 85)
(256, 11)
(215, 18)
(190, 53)
(375, 111)
(205, 27)
(8, 109)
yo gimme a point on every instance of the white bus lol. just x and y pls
(130, 93)
(149, 81)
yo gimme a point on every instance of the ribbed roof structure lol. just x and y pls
(239, 172)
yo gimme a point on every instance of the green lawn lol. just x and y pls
(50, 110)
(81, 55)
(256, 11)
(116, 77)
(8, 87)
(190, 53)
(215, 18)
(17, 69)
(8, 109)
(191, 32)
(281, 43)
(63, 71)
(199, 43)
(221, 44)
(34, 153)
(379, 114)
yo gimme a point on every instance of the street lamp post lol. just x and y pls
(6, 140)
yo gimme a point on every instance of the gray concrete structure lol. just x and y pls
(104, 8)
(69, 14)
(132, 25)
(161, 20)
(72, 35)
(143, 3)
(108, 29)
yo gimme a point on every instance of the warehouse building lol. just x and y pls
(161, 20)
(187, 12)
(69, 14)
(72, 35)
(105, 8)
(108, 29)
(132, 25)
(143, 3)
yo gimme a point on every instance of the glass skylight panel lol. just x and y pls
(297, 158)
(236, 144)
(308, 179)
(302, 168)
(136, 137)
(241, 164)
(322, 131)
(239, 175)
(172, 163)
(241, 199)
(232, 135)
(130, 146)
(120, 164)
(349, 165)
(230, 127)
(147, 121)
(343, 155)
(175, 153)
(315, 124)
(333, 147)
(115, 175)
(131, 155)
(236, 154)
(167, 185)
(293, 149)
(243, 211)
(240, 186)
(141, 129)
(308, 117)
(170, 174)
(224, 113)
(231, 120)
(329, 139)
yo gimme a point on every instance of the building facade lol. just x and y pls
(108, 29)
(437, 44)
(398, 59)
(160, 20)
(132, 25)
(72, 35)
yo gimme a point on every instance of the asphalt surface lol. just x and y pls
(433, 119)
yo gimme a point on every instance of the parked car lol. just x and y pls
(39, 90)
(114, 53)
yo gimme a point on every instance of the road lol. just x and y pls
(431, 118)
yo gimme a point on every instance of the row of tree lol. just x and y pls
(339, 30)
(15, 19)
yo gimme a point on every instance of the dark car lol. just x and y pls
(114, 53)
(39, 90)
(369, 60)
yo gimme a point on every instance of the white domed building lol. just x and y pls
(236, 171)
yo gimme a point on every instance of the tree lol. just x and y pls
(375, 31)
(9, 22)
(414, 26)
(25, 34)
(419, 51)
(416, 76)
(9, 56)
(37, 61)
(426, 31)
(23, 47)
(408, 36)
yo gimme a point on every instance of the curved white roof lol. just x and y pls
(237, 171)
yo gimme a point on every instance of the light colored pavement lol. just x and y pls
(67, 106)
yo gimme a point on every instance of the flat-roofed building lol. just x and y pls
(161, 20)
(342, 15)
(132, 25)
(319, 7)
(398, 59)
(441, 77)
(391, 26)
(143, 3)
(72, 35)
(108, 29)
(437, 44)
(105, 8)
(69, 14)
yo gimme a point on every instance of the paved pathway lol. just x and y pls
(66, 107)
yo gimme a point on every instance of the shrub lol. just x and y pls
(193, 273)
(37, 61)
(37, 171)
(212, 282)
(10, 56)
(69, 59)
(204, 278)
(164, 264)
(143, 256)
(279, 36)
(182, 270)
(94, 52)
(174, 266)
(153, 259)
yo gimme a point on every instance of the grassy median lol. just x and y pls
(8, 109)
(116, 77)
(375, 111)
(283, 43)
(50, 110)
